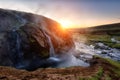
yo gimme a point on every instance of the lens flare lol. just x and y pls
(66, 23)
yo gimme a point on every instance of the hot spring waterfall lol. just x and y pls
(52, 51)
(66, 59)
(18, 50)
(16, 44)
(53, 57)
(15, 47)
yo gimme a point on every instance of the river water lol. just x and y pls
(100, 49)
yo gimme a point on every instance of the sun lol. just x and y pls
(66, 23)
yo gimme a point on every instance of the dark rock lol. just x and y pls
(24, 38)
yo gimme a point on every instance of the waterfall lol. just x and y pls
(15, 43)
(53, 56)
(18, 47)
(52, 51)
(64, 59)
(16, 54)
(17, 50)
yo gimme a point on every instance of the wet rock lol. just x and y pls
(107, 52)
(101, 46)
(24, 38)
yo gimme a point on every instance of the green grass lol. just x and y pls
(117, 38)
(106, 39)
(116, 46)
(115, 71)
(101, 38)
(97, 76)
(116, 64)
(107, 77)
(110, 61)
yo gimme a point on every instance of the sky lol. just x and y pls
(70, 13)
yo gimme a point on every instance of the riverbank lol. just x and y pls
(100, 69)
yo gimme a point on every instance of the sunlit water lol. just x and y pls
(66, 59)
(101, 50)
(107, 52)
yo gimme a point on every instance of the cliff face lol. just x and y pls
(28, 39)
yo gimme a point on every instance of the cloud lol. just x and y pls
(78, 11)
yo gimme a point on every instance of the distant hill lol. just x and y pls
(109, 28)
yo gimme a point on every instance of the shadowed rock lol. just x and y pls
(26, 38)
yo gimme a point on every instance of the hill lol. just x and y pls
(108, 28)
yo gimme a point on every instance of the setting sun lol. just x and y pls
(66, 23)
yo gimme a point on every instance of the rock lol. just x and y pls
(26, 37)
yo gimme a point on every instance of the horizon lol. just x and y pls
(70, 13)
(94, 26)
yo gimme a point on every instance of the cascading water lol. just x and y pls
(26, 38)
(15, 47)
(52, 51)
(53, 56)
(18, 50)
(16, 43)
(65, 59)
(87, 51)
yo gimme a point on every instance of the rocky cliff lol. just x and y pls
(28, 40)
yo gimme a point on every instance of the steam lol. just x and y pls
(69, 59)
(66, 59)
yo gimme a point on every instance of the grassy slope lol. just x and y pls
(108, 70)
(109, 28)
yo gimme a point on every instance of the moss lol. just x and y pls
(92, 39)
(45, 53)
(107, 77)
(101, 38)
(116, 64)
(32, 40)
(100, 73)
(106, 39)
(97, 76)
(116, 46)
(117, 37)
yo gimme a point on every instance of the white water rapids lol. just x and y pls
(84, 52)
(101, 50)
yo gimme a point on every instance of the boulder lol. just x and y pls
(25, 37)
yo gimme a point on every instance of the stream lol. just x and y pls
(100, 49)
